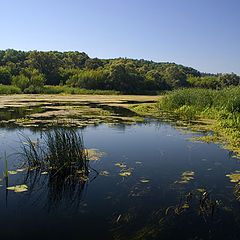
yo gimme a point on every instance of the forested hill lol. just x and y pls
(34, 69)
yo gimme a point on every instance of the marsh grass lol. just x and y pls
(60, 149)
(193, 103)
(60, 163)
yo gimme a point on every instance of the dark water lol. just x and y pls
(118, 207)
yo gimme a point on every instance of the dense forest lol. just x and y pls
(32, 71)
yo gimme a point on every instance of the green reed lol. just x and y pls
(60, 150)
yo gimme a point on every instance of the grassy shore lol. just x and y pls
(215, 111)
(223, 106)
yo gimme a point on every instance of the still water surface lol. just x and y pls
(139, 206)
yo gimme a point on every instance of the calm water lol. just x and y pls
(118, 207)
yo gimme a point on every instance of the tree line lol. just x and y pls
(32, 70)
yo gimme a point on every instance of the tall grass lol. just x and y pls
(191, 103)
(226, 99)
(62, 151)
(62, 157)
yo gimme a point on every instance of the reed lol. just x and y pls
(61, 150)
(6, 167)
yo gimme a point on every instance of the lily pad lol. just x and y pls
(84, 178)
(144, 180)
(234, 177)
(18, 188)
(21, 170)
(124, 174)
(12, 172)
(201, 190)
(120, 165)
(44, 173)
(104, 173)
(188, 173)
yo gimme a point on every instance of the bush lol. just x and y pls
(9, 89)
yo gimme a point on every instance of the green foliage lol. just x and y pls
(20, 81)
(31, 70)
(187, 112)
(49, 89)
(123, 78)
(229, 79)
(93, 63)
(9, 89)
(211, 82)
(62, 151)
(5, 76)
(175, 77)
(28, 80)
(221, 104)
(89, 79)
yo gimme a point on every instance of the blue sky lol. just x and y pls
(204, 34)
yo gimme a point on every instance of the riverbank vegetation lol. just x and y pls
(77, 73)
(223, 106)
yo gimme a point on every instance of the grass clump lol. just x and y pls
(62, 152)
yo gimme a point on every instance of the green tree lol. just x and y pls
(5, 76)
(175, 78)
(211, 82)
(155, 81)
(229, 79)
(93, 63)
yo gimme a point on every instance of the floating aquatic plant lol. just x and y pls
(122, 165)
(186, 177)
(19, 188)
(234, 177)
(62, 159)
(124, 174)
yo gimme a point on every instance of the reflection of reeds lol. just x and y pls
(62, 156)
(6, 165)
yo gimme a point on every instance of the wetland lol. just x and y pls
(95, 167)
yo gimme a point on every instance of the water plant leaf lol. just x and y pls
(94, 154)
(118, 218)
(12, 172)
(120, 165)
(138, 162)
(84, 178)
(124, 174)
(21, 170)
(191, 173)
(80, 171)
(185, 206)
(187, 178)
(21, 188)
(184, 181)
(1, 134)
(104, 173)
(18, 188)
(201, 189)
(234, 177)
(144, 180)
(44, 173)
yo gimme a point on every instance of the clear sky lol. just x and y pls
(204, 34)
